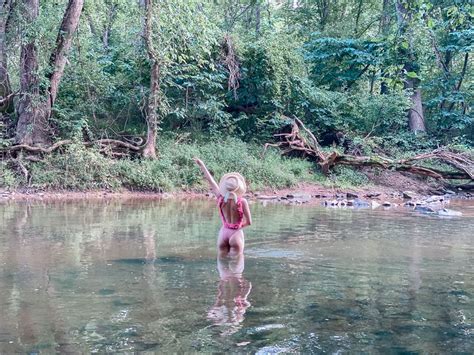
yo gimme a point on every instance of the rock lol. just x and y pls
(352, 195)
(409, 194)
(373, 194)
(361, 203)
(299, 196)
(434, 199)
(266, 197)
(332, 203)
(375, 204)
(386, 204)
(350, 202)
(424, 209)
(341, 195)
(450, 192)
(449, 213)
(342, 203)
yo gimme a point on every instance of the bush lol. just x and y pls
(8, 178)
(78, 168)
(345, 177)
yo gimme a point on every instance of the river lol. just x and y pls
(128, 275)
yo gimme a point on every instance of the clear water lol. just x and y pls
(134, 276)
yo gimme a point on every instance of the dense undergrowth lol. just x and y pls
(78, 169)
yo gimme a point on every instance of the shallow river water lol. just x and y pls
(119, 276)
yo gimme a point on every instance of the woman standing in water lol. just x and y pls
(233, 208)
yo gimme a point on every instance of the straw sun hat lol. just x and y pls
(232, 184)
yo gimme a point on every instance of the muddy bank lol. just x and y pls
(303, 193)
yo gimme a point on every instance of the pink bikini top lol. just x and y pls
(240, 210)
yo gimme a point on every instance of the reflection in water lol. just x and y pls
(232, 292)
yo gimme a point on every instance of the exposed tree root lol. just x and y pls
(109, 147)
(302, 140)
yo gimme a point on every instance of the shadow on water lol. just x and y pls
(127, 276)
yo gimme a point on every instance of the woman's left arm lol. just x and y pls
(247, 214)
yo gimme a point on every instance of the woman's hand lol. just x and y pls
(207, 176)
(198, 161)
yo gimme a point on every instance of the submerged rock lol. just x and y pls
(434, 199)
(375, 204)
(449, 213)
(361, 203)
(424, 209)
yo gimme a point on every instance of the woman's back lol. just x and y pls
(231, 212)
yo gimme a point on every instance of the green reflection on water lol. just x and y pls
(143, 275)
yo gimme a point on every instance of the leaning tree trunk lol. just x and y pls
(5, 87)
(149, 150)
(416, 120)
(58, 58)
(34, 108)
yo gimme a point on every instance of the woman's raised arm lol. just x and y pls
(208, 176)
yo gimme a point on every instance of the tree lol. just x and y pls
(149, 151)
(35, 105)
(416, 118)
(5, 87)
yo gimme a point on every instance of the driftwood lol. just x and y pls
(302, 140)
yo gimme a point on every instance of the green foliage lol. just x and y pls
(77, 168)
(80, 168)
(339, 66)
(339, 63)
(347, 177)
(8, 178)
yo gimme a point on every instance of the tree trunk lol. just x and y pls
(58, 58)
(149, 151)
(5, 87)
(415, 115)
(416, 119)
(385, 21)
(34, 108)
(32, 127)
(111, 15)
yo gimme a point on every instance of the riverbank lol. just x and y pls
(392, 188)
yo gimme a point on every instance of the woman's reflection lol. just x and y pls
(232, 292)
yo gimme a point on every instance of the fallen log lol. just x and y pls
(307, 145)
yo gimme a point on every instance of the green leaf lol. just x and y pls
(412, 75)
